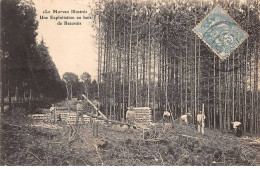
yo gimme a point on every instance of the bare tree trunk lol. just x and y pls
(226, 112)
(166, 83)
(2, 82)
(120, 81)
(70, 91)
(159, 77)
(186, 75)
(130, 56)
(214, 107)
(181, 85)
(149, 62)
(99, 51)
(209, 110)
(144, 72)
(239, 93)
(199, 78)
(124, 73)
(245, 92)
(251, 98)
(111, 65)
(67, 89)
(9, 95)
(154, 85)
(137, 65)
(114, 56)
(30, 98)
(105, 72)
(257, 130)
(233, 93)
(245, 80)
(16, 94)
(195, 74)
(219, 98)
(256, 90)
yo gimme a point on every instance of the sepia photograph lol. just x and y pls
(130, 83)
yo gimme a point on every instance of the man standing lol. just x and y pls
(97, 105)
(79, 112)
(53, 113)
(201, 122)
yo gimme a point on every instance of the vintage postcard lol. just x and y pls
(130, 83)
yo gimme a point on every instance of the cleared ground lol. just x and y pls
(24, 142)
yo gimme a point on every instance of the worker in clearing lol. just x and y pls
(186, 118)
(130, 115)
(166, 116)
(79, 112)
(53, 112)
(237, 128)
(97, 105)
(201, 122)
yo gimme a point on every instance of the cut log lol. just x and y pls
(85, 97)
(107, 120)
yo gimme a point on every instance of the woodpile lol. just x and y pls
(71, 119)
(63, 115)
(41, 117)
(143, 116)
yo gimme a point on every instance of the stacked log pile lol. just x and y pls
(41, 117)
(143, 116)
(71, 119)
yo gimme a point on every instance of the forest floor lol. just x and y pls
(25, 142)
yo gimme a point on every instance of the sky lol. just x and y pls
(72, 47)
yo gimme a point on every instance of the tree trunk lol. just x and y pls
(219, 98)
(226, 112)
(251, 98)
(9, 95)
(149, 63)
(199, 96)
(195, 74)
(137, 65)
(256, 90)
(124, 74)
(114, 55)
(2, 82)
(154, 84)
(70, 91)
(245, 92)
(209, 110)
(181, 85)
(233, 93)
(67, 89)
(99, 50)
(186, 76)
(214, 84)
(30, 98)
(130, 57)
